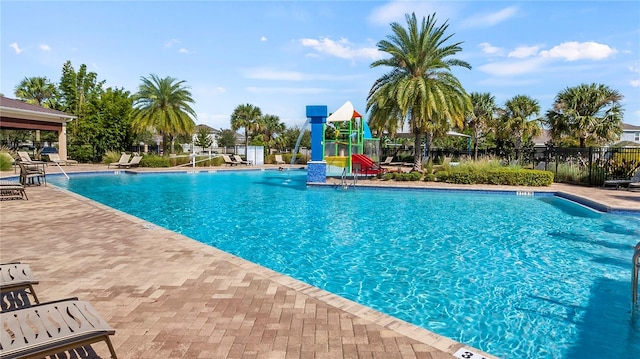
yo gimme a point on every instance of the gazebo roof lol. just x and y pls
(10, 108)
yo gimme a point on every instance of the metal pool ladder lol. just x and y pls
(634, 276)
(343, 179)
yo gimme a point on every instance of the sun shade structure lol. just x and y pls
(19, 115)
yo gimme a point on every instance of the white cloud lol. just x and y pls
(171, 42)
(395, 11)
(490, 19)
(524, 51)
(510, 68)
(264, 38)
(489, 49)
(183, 51)
(15, 48)
(45, 47)
(573, 50)
(342, 49)
(635, 83)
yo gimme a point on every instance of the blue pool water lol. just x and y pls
(516, 276)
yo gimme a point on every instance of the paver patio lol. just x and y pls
(169, 296)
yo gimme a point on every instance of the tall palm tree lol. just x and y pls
(165, 106)
(272, 127)
(481, 115)
(519, 121)
(420, 86)
(588, 112)
(37, 90)
(245, 116)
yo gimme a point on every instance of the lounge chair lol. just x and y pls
(135, 161)
(278, 159)
(624, 183)
(51, 328)
(11, 190)
(55, 158)
(229, 162)
(16, 286)
(124, 159)
(241, 161)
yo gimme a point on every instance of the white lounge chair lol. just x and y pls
(16, 286)
(135, 161)
(241, 161)
(278, 159)
(124, 159)
(229, 162)
(55, 158)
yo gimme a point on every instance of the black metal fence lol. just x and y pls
(583, 166)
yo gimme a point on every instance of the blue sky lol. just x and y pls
(283, 55)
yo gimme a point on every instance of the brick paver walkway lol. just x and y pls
(169, 296)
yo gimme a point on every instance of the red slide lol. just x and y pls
(364, 164)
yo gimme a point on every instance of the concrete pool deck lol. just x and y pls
(169, 296)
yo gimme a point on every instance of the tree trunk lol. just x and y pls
(475, 145)
(246, 141)
(417, 150)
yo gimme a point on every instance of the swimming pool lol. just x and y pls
(516, 276)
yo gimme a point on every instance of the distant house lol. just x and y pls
(213, 133)
(630, 135)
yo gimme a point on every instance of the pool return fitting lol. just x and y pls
(634, 277)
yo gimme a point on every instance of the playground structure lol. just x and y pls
(352, 150)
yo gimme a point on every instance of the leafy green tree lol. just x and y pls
(202, 138)
(420, 87)
(591, 113)
(226, 138)
(271, 128)
(112, 114)
(246, 116)
(38, 91)
(518, 120)
(480, 117)
(164, 104)
(77, 91)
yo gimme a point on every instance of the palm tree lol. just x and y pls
(37, 90)
(164, 105)
(516, 120)
(481, 116)
(272, 127)
(245, 116)
(587, 112)
(420, 87)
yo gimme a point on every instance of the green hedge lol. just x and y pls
(506, 176)
(402, 176)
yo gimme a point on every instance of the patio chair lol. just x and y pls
(624, 183)
(55, 158)
(30, 172)
(241, 161)
(135, 161)
(11, 190)
(228, 161)
(49, 329)
(124, 159)
(278, 159)
(16, 286)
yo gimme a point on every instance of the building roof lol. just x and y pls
(628, 127)
(8, 105)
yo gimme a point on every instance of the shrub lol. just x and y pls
(154, 161)
(6, 161)
(83, 153)
(501, 176)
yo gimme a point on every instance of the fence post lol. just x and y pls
(590, 166)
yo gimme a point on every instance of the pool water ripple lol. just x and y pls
(516, 276)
